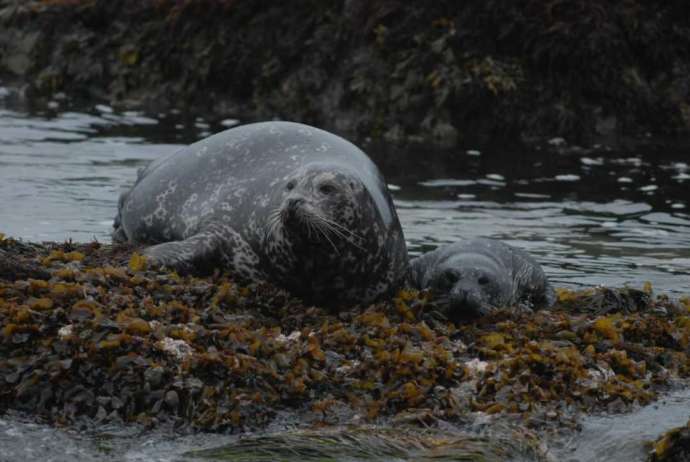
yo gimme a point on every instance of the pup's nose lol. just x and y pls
(461, 294)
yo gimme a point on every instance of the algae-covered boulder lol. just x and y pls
(101, 338)
(442, 72)
(672, 446)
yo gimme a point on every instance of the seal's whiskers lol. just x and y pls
(342, 236)
(273, 222)
(442, 302)
(329, 226)
(349, 232)
(325, 235)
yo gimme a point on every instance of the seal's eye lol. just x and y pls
(290, 185)
(483, 280)
(450, 277)
(326, 189)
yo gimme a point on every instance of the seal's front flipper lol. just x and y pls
(217, 247)
(198, 254)
(540, 297)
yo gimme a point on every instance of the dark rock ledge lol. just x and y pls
(443, 72)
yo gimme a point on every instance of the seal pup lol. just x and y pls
(475, 277)
(280, 202)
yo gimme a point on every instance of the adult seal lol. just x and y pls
(475, 277)
(280, 202)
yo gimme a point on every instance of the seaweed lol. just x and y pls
(104, 339)
(673, 445)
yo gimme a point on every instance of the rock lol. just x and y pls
(17, 58)
(154, 376)
(172, 399)
(13, 269)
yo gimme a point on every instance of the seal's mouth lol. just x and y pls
(470, 307)
(297, 215)
(462, 305)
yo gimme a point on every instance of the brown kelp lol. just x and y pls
(104, 339)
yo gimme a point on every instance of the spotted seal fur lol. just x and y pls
(275, 201)
(477, 276)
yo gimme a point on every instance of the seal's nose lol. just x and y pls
(464, 295)
(461, 294)
(292, 207)
(294, 203)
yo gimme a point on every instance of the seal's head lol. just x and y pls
(321, 208)
(321, 228)
(469, 286)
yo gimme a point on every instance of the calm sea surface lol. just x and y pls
(610, 218)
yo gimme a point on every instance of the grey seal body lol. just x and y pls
(276, 201)
(476, 276)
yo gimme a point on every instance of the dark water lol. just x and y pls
(610, 218)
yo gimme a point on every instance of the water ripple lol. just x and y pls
(612, 219)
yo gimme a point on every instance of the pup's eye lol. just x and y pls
(290, 185)
(326, 189)
(483, 280)
(450, 277)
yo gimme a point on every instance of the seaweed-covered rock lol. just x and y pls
(368, 442)
(12, 268)
(103, 339)
(672, 446)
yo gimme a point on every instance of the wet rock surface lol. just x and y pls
(376, 443)
(401, 72)
(674, 445)
(104, 340)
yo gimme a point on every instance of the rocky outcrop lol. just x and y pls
(385, 69)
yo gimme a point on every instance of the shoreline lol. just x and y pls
(397, 73)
